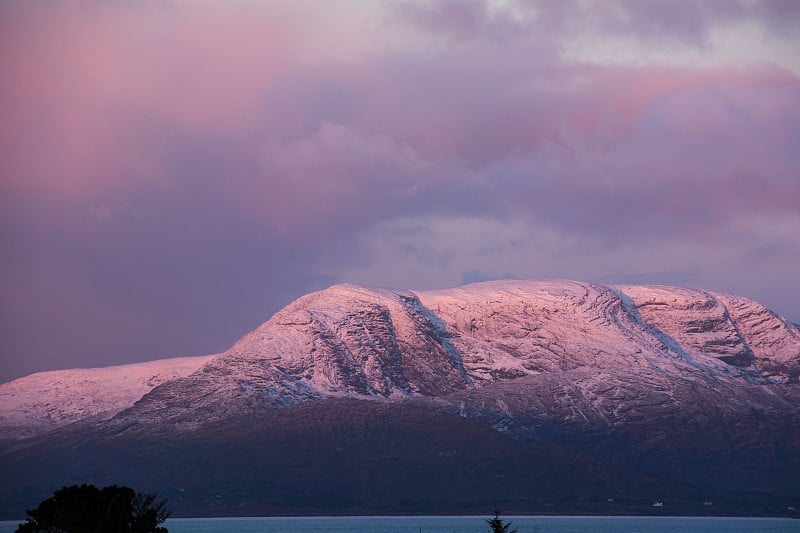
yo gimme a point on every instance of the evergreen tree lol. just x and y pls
(497, 525)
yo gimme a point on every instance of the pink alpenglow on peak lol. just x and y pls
(378, 344)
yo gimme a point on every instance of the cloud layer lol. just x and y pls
(173, 172)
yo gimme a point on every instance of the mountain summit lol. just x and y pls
(689, 390)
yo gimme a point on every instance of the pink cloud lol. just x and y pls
(82, 79)
(234, 152)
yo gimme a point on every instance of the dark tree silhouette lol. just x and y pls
(497, 525)
(87, 509)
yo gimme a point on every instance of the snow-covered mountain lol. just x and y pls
(649, 378)
(391, 345)
(46, 400)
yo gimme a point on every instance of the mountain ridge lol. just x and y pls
(683, 388)
(366, 342)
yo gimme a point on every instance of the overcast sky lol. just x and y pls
(172, 173)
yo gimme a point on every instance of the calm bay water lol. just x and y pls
(476, 524)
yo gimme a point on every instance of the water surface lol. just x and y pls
(476, 524)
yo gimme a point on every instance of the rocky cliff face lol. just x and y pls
(647, 378)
